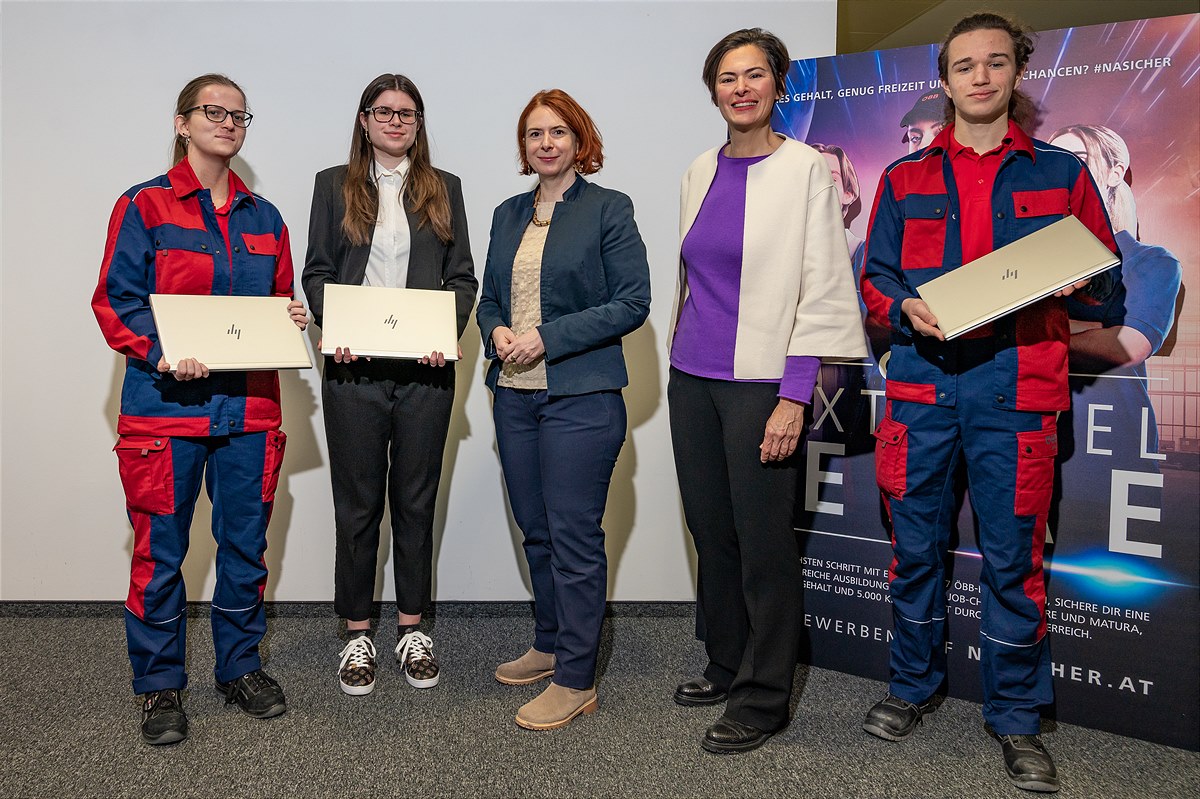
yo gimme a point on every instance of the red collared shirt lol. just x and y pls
(974, 177)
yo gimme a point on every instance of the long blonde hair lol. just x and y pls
(424, 188)
(1107, 151)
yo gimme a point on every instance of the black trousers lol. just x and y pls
(386, 423)
(740, 513)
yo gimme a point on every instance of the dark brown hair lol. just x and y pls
(770, 44)
(1020, 107)
(424, 188)
(589, 158)
(187, 99)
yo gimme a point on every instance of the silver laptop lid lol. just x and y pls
(1015, 275)
(229, 333)
(388, 322)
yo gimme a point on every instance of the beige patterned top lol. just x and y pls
(526, 298)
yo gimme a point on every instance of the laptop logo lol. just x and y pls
(234, 331)
(1009, 273)
(391, 321)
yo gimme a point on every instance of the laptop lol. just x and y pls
(229, 333)
(1015, 275)
(389, 323)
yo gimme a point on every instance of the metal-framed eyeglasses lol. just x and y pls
(384, 115)
(216, 113)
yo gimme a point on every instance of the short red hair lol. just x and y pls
(590, 157)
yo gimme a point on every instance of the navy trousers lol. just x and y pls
(558, 456)
(1010, 472)
(162, 477)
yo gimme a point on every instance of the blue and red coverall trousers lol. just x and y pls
(161, 476)
(1010, 471)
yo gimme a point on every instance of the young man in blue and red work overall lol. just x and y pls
(990, 397)
(195, 230)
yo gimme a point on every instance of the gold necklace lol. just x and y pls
(537, 197)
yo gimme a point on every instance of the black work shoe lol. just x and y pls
(256, 694)
(894, 719)
(1027, 762)
(698, 692)
(163, 720)
(727, 736)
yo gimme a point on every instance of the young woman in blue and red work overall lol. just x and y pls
(990, 397)
(387, 218)
(195, 230)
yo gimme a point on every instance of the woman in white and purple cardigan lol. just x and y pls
(765, 291)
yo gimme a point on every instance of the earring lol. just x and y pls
(186, 140)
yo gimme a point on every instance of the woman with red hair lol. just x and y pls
(566, 278)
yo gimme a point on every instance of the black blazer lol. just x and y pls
(432, 264)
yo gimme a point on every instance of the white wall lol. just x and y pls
(87, 98)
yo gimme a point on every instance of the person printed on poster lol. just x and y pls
(1111, 429)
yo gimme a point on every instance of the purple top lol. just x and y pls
(706, 334)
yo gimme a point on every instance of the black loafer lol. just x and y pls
(256, 694)
(1028, 764)
(163, 719)
(698, 692)
(894, 719)
(727, 736)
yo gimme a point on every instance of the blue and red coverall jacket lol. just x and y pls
(914, 236)
(164, 237)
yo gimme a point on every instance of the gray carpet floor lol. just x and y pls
(68, 723)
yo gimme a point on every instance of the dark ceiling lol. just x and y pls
(883, 24)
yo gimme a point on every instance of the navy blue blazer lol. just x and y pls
(595, 286)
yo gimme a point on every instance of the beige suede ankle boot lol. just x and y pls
(529, 668)
(556, 706)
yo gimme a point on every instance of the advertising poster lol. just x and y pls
(1123, 563)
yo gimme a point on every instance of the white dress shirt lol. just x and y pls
(391, 243)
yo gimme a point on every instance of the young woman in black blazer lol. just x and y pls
(387, 218)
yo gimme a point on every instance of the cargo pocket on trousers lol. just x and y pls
(891, 457)
(272, 462)
(1036, 451)
(146, 473)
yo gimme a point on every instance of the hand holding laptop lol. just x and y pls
(1067, 291)
(343, 355)
(186, 369)
(1055, 260)
(925, 323)
(437, 358)
(299, 313)
(922, 319)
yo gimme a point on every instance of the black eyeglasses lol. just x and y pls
(384, 114)
(216, 113)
